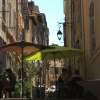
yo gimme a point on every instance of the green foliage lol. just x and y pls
(18, 89)
(54, 45)
(27, 88)
(30, 72)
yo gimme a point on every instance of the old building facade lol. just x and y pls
(85, 27)
(7, 28)
(38, 31)
(73, 32)
(72, 23)
(91, 35)
(17, 24)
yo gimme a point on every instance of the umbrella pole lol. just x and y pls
(22, 74)
(55, 70)
(55, 75)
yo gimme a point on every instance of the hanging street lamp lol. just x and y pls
(59, 35)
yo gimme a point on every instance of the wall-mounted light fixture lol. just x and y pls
(59, 33)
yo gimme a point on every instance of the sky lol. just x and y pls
(53, 9)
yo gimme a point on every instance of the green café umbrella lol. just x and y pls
(53, 53)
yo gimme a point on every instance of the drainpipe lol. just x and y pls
(83, 39)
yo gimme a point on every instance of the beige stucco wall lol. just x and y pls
(92, 66)
(28, 36)
(92, 61)
(67, 12)
(9, 13)
(94, 72)
(85, 23)
(97, 22)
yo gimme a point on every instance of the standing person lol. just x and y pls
(75, 86)
(62, 88)
(12, 81)
(76, 76)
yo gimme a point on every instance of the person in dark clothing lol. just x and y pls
(12, 81)
(62, 89)
(76, 76)
(76, 90)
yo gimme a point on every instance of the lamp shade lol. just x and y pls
(59, 35)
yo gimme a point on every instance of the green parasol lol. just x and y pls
(54, 52)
